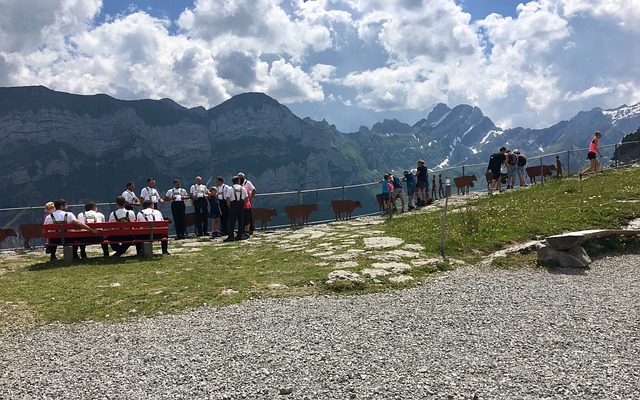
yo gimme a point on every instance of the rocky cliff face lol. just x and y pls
(87, 147)
(53, 146)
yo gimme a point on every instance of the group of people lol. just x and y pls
(514, 163)
(226, 205)
(56, 213)
(417, 183)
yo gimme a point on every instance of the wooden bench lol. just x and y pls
(68, 235)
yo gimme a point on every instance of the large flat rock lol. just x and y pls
(569, 240)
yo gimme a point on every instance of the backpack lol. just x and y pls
(522, 161)
(493, 161)
(513, 159)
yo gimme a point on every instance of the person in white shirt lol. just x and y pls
(236, 201)
(198, 194)
(130, 197)
(91, 214)
(177, 196)
(121, 214)
(223, 192)
(62, 216)
(148, 213)
(150, 192)
(248, 217)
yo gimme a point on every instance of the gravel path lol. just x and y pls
(519, 334)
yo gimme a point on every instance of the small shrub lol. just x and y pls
(470, 220)
(344, 285)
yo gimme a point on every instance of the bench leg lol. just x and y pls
(147, 250)
(67, 252)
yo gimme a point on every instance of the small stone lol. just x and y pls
(284, 391)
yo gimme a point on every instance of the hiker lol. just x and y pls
(496, 161)
(512, 168)
(592, 155)
(522, 161)
(422, 185)
(397, 192)
(411, 187)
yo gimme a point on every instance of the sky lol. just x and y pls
(350, 62)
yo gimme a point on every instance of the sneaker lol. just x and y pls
(410, 207)
(229, 239)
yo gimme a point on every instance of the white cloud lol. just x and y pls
(553, 59)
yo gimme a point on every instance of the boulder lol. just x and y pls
(575, 257)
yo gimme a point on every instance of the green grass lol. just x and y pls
(493, 222)
(35, 290)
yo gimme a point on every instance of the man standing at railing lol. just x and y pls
(251, 192)
(236, 201)
(496, 161)
(130, 197)
(198, 194)
(62, 216)
(422, 183)
(223, 192)
(411, 187)
(177, 196)
(151, 193)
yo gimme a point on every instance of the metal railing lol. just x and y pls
(572, 161)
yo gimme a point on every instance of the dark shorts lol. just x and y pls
(214, 212)
(248, 217)
(385, 196)
(495, 173)
(591, 155)
(422, 184)
(411, 188)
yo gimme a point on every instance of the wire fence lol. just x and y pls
(571, 161)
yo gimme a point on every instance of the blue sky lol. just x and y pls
(350, 62)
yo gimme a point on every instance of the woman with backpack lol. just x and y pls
(522, 161)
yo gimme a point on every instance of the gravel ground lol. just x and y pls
(517, 334)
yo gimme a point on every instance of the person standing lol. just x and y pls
(422, 183)
(224, 191)
(251, 192)
(522, 161)
(496, 161)
(512, 169)
(148, 213)
(397, 192)
(151, 193)
(198, 194)
(130, 197)
(236, 201)
(91, 214)
(558, 167)
(62, 216)
(411, 187)
(214, 211)
(177, 195)
(592, 155)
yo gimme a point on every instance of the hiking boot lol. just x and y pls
(410, 207)
(580, 175)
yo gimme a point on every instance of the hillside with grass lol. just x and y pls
(382, 252)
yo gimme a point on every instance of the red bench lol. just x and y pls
(68, 235)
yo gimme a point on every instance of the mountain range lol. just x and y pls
(82, 148)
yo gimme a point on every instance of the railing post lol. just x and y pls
(299, 197)
(463, 170)
(541, 172)
(568, 163)
(343, 194)
(615, 151)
